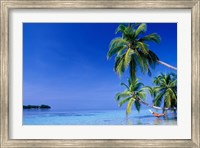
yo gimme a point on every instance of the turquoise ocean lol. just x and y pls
(95, 117)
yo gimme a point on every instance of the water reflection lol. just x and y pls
(134, 121)
(157, 121)
(60, 117)
(151, 120)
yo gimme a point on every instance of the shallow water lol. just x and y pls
(108, 117)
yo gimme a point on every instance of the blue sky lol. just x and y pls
(65, 65)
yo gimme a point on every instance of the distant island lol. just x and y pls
(36, 107)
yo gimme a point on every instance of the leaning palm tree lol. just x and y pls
(165, 90)
(132, 50)
(133, 94)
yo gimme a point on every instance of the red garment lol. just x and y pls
(157, 115)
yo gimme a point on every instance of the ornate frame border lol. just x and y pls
(7, 5)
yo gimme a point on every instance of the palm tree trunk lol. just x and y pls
(152, 106)
(167, 65)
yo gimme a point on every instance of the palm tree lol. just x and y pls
(131, 50)
(133, 94)
(165, 90)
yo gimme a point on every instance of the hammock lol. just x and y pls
(156, 114)
(155, 107)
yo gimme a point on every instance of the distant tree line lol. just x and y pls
(36, 106)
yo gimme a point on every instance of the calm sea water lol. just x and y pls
(109, 117)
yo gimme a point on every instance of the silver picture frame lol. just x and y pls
(7, 5)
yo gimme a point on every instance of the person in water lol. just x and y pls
(156, 114)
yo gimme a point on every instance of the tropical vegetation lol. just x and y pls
(132, 94)
(165, 90)
(132, 51)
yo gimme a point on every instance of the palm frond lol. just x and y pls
(138, 86)
(157, 81)
(142, 62)
(136, 25)
(119, 65)
(158, 99)
(151, 90)
(121, 52)
(137, 105)
(151, 37)
(116, 45)
(121, 28)
(149, 72)
(127, 57)
(143, 47)
(142, 28)
(168, 78)
(152, 59)
(123, 84)
(171, 93)
(173, 83)
(129, 106)
(124, 101)
(116, 50)
(141, 94)
(129, 31)
(124, 94)
(167, 102)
